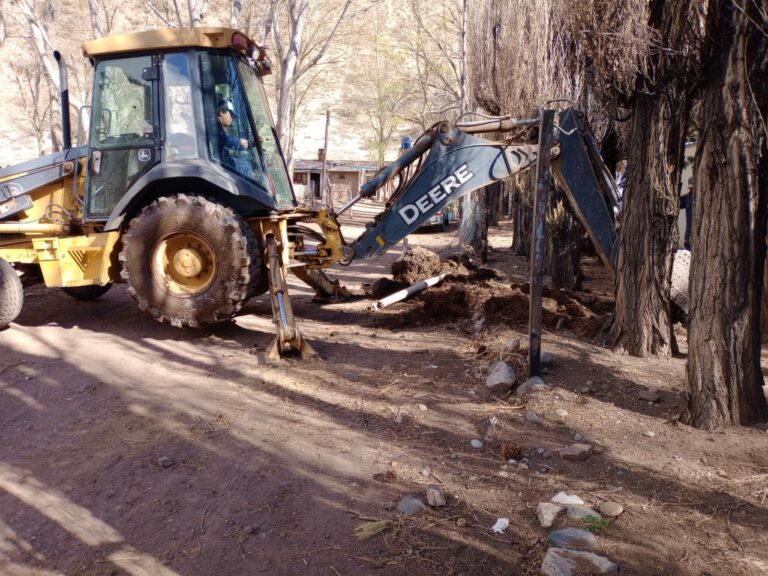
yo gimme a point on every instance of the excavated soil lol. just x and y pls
(131, 448)
(468, 288)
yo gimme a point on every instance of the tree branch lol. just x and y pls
(301, 71)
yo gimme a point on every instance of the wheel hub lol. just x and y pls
(184, 264)
(189, 262)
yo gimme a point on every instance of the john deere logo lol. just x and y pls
(144, 155)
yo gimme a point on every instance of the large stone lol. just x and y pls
(435, 496)
(410, 505)
(578, 512)
(563, 562)
(501, 377)
(547, 512)
(565, 499)
(576, 452)
(611, 509)
(573, 538)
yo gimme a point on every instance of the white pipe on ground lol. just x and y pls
(407, 292)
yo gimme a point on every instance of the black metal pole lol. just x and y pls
(543, 185)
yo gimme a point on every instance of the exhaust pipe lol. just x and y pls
(66, 130)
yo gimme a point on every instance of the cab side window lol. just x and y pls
(181, 137)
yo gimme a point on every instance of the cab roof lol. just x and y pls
(162, 39)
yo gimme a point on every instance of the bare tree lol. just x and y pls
(34, 18)
(29, 79)
(2, 28)
(375, 101)
(196, 10)
(640, 55)
(234, 13)
(96, 23)
(725, 380)
(298, 53)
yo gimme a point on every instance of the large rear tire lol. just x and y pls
(87, 293)
(11, 294)
(190, 261)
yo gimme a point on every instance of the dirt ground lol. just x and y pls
(128, 447)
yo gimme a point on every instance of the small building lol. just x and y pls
(345, 176)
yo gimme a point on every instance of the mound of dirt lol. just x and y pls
(420, 263)
(468, 288)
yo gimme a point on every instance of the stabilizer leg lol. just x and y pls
(289, 338)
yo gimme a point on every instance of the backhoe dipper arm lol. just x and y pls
(587, 182)
(455, 164)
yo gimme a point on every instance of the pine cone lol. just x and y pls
(511, 451)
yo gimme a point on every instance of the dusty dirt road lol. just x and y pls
(132, 448)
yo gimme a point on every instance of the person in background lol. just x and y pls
(686, 202)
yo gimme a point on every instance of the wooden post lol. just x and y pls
(324, 187)
(543, 187)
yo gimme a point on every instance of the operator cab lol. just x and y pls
(155, 122)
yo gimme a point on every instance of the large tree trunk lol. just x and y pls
(473, 229)
(642, 325)
(522, 212)
(725, 383)
(564, 240)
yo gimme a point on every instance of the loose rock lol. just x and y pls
(547, 512)
(611, 509)
(410, 505)
(573, 538)
(426, 471)
(566, 499)
(578, 512)
(476, 443)
(562, 562)
(649, 395)
(533, 384)
(578, 437)
(423, 407)
(435, 496)
(512, 345)
(649, 434)
(533, 417)
(165, 461)
(561, 413)
(576, 452)
(501, 377)
(461, 522)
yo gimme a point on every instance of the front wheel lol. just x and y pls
(11, 294)
(189, 261)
